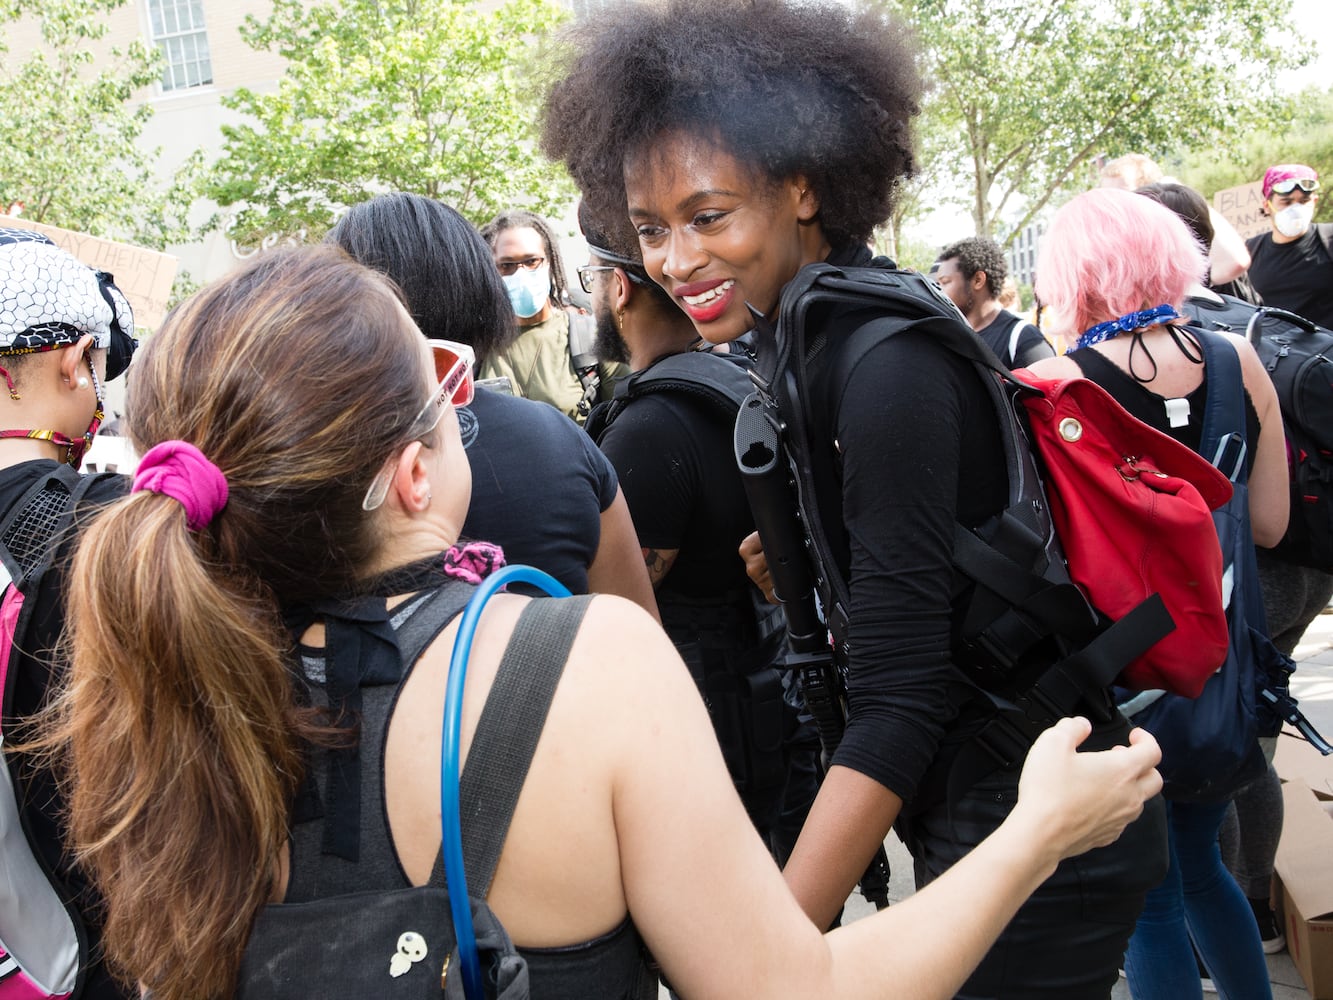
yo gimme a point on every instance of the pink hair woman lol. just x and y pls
(1114, 269)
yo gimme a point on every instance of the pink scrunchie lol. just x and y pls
(472, 562)
(179, 470)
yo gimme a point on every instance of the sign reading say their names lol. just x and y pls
(145, 276)
(1243, 207)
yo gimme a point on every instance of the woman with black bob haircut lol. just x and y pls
(746, 140)
(525, 456)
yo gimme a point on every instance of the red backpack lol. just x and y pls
(1133, 510)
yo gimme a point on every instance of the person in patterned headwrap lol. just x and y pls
(65, 328)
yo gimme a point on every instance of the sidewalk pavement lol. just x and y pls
(1312, 684)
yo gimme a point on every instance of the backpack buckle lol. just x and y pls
(1005, 740)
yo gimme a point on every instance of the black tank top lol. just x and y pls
(612, 965)
(1149, 407)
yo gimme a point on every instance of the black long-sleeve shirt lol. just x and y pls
(920, 451)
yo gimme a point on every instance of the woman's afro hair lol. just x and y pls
(784, 86)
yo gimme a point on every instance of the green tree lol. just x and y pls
(435, 97)
(69, 128)
(938, 160)
(1033, 91)
(1308, 139)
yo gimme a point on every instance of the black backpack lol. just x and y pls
(44, 947)
(1029, 641)
(401, 943)
(1298, 355)
(742, 686)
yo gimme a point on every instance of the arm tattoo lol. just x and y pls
(658, 563)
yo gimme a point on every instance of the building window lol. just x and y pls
(586, 8)
(178, 30)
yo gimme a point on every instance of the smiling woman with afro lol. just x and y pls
(747, 140)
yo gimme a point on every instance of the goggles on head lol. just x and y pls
(1306, 184)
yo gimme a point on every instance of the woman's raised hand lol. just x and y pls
(1077, 801)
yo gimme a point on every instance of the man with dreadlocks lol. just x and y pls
(553, 358)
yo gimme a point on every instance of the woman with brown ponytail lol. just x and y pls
(273, 409)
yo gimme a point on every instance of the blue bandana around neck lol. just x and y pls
(1125, 324)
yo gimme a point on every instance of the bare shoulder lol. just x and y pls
(617, 635)
(1256, 377)
(1057, 367)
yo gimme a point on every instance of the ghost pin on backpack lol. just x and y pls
(43, 943)
(1298, 356)
(1031, 640)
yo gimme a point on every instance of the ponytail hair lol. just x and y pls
(297, 377)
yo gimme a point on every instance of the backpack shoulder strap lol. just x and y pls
(892, 302)
(507, 733)
(1015, 332)
(435, 611)
(30, 530)
(1222, 440)
(720, 380)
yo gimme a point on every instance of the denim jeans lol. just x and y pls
(1067, 940)
(1198, 899)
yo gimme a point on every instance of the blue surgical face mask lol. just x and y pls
(528, 291)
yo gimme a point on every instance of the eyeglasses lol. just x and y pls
(454, 364)
(1306, 184)
(588, 270)
(508, 267)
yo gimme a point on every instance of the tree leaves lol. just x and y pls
(1032, 93)
(70, 134)
(430, 96)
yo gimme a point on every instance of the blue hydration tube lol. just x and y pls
(452, 843)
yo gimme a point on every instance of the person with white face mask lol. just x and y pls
(552, 360)
(1292, 266)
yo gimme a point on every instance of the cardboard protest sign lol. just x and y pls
(145, 276)
(1243, 207)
